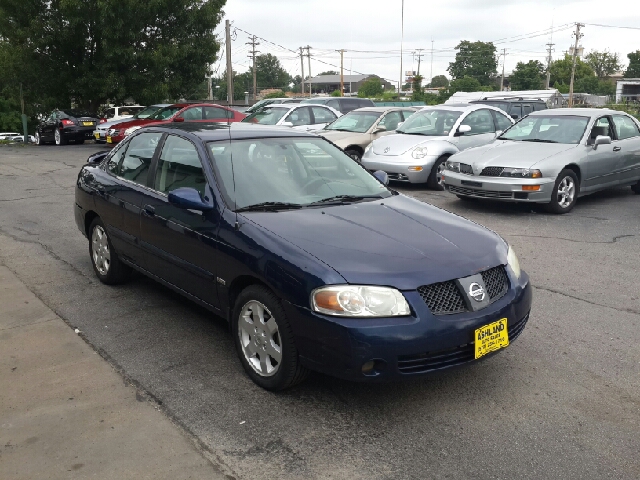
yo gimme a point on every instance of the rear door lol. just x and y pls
(192, 114)
(215, 114)
(628, 141)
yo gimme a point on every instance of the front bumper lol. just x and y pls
(100, 135)
(402, 347)
(499, 188)
(397, 167)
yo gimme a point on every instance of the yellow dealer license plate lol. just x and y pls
(109, 140)
(491, 337)
(87, 124)
(97, 135)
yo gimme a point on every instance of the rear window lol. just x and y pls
(74, 114)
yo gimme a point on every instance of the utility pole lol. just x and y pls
(431, 75)
(341, 72)
(253, 44)
(419, 55)
(578, 36)
(401, 43)
(549, 50)
(229, 67)
(309, 64)
(302, 71)
(504, 58)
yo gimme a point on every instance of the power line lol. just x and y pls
(611, 26)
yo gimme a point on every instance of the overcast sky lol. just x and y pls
(521, 26)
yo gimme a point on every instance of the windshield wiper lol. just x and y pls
(266, 206)
(539, 140)
(339, 129)
(344, 198)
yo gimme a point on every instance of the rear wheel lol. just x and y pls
(565, 193)
(435, 177)
(59, 138)
(79, 141)
(264, 340)
(108, 267)
(38, 139)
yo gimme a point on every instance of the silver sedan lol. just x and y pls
(418, 150)
(552, 157)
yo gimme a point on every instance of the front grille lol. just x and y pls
(400, 177)
(445, 298)
(492, 171)
(464, 168)
(478, 193)
(437, 360)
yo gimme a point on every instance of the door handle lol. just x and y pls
(149, 210)
(616, 149)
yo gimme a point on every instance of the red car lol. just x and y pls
(178, 112)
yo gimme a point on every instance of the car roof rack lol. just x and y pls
(512, 98)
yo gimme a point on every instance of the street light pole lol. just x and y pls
(401, 44)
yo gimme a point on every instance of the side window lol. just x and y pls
(527, 109)
(193, 113)
(602, 126)
(516, 112)
(625, 127)
(407, 113)
(179, 166)
(502, 121)
(349, 104)
(480, 122)
(214, 113)
(334, 104)
(300, 116)
(137, 160)
(322, 115)
(113, 164)
(390, 121)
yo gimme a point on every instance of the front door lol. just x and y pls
(180, 245)
(602, 163)
(483, 129)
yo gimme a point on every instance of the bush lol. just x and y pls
(336, 93)
(277, 94)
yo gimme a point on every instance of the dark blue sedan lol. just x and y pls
(315, 263)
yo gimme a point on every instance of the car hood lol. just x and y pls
(111, 123)
(506, 153)
(134, 123)
(340, 137)
(399, 143)
(397, 241)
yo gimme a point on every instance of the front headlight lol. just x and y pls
(130, 130)
(359, 301)
(521, 173)
(513, 262)
(453, 166)
(419, 152)
(367, 148)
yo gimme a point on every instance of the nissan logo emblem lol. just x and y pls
(476, 292)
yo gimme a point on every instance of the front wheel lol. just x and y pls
(355, 154)
(434, 181)
(38, 139)
(565, 193)
(636, 188)
(264, 340)
(108, 267)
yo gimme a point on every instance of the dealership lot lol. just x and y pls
(561, 402)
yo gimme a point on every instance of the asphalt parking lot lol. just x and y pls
(562, 402)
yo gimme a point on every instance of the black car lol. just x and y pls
(342, 104)
(64, 125)
(315, 263)
(515, 107)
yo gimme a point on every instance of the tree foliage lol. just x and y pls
(560, 71)
(269, 72)
(476, 60)
(465, 84)
(91, 51)
(633, 69)
(439, 81)
(527, 76)
(603, 63)
(371, 88)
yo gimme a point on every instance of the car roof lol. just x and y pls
(383, 109)
(582, 112)
(233, 131)
(508, 100)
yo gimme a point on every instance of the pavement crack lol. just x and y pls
(613, 240)
(568, 295)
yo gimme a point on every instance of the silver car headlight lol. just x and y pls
(359, 301)
(419, 152)
(452, 166)
(368, 147)
(130, 130)
(512, 261)
(521, 173)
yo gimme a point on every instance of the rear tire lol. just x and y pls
(636, 188)
(59, 138)
(434, 181)
(565, 193)
(79, 141)
(355, 154)
(38, 139)
(264, 340)
(108, 267)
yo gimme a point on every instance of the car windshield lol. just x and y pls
(290, 172)
(147, 112)
(257, 106)
(267, 115)
(358, 122)
(76, 113)
(164, 113)
(431, 123)
(567, 129)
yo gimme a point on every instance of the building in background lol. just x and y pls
(628, 90)
(330, 83)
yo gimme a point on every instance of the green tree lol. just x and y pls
(633, 70)
(560, 71)
(88, 52)
(476, 60)
(603, 63)
(527, 76)
(336, 93)
(269, 72)
(439, 81)
(465, 84)
(372, 88)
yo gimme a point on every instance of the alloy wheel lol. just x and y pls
(37, 135)
(566, 192)
(260, 339)
(100, 250)
(439, 172)
(57, 137)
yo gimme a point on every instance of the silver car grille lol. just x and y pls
(492, 171)
(479, 193)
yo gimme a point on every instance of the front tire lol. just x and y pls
(565, 193)
(434, 181)
(38, 139)
(108, 267)
(264, 340)
(355, 154)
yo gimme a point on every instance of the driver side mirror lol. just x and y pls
(97, 157)
(178, 119)
(286, 124)
(601, 140)
(380, 128)
(382, 177)
(188, 198)
(462, 129)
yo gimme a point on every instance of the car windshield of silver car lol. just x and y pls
(431, 123)
(284, 173)
(357, 122)
(548, 129)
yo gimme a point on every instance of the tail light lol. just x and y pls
(66, 123)
(103, 120)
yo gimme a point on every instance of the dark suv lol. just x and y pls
(342, 104)
(515, 107)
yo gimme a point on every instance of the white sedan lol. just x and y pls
(300, 117)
